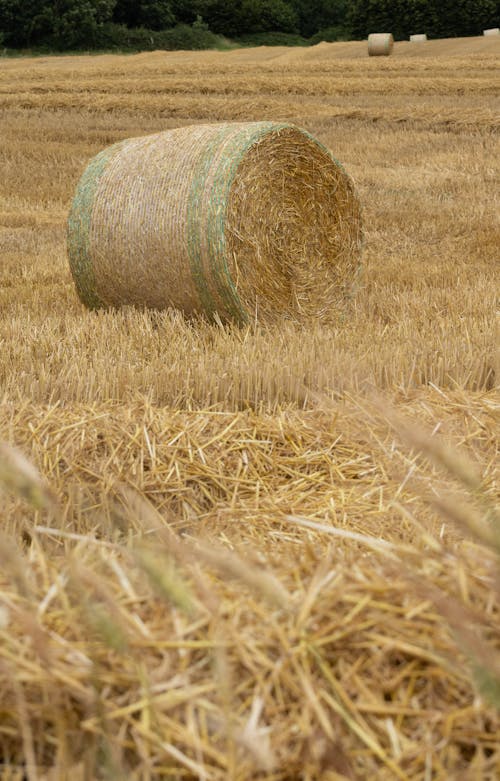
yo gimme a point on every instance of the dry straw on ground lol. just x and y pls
(238, 220)
(247, 596)
(380, 44)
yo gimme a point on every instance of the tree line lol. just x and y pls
(87, 24)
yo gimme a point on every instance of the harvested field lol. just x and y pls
(268, 552)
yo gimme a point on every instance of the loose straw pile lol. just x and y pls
(380, 44)
(244, 596)
(238, 220)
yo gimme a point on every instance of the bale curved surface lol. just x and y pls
(418, 38)
(239, 220)
(492, 31)
(380, 44)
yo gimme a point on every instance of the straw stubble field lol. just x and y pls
(227, 556)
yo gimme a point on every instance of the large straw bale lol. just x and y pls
(418, 38)
(234, 219)
(492, 31)
(380, 44)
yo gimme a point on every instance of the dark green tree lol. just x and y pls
(464, 17)
(186, 11)
(258, 16)
(437, 18)
(417, 16)
(315, 15)
(77, 23)
(238, 17)
(152, 14)
(63, 24)
(24, 22)
(368, 16)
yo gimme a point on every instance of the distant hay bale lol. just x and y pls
(380, 44)
(492, 31)
(235, 220)
(418, 38)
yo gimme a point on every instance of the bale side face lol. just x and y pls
(380, 44)
(216, 219)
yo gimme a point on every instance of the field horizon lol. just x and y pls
(261, 552)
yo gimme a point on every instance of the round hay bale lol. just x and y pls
(492, 31)
(235, 220)
(418, 38)
(380, 44)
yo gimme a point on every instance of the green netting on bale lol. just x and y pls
(78, 228)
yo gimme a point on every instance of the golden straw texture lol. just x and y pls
(380, 44)
(238, 220)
